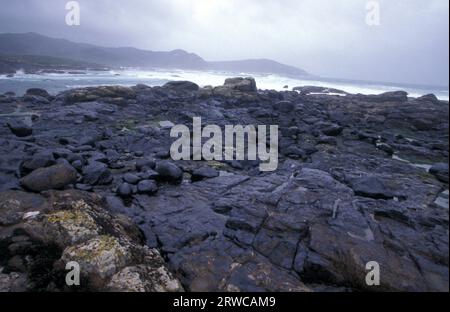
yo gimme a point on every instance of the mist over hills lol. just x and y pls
(39, 45)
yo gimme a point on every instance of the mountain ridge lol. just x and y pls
(39, 45)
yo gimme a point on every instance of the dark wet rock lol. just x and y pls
(284, 106)
(38, 92)
(97, 173)
(124, 190)
(54, 177)
(39, 160)
(145, 163)
(149, 174)
(386, 148)
(241, 84)
(36, 99)
(331, 129)
(19, 128)
(429, 98)
(83, 187)
(440, 171)
(148, 187)
(131, 178)
(372, 186)
(392, 96)
(168, 171)
(204, 173)
(327, 140)
(182, 86)
(77, 164)
(295, 152)
(115, 94)
(335, 202)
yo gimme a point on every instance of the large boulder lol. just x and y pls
(241, 84)
(54, 177)
(429, 98)
(38, 92)
(74, 226)
(182, 86)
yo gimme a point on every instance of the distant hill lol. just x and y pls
(263, 66)
(9, 64)
(38, 45)
(35, 44)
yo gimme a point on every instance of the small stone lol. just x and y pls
(97, 173)
(131, 178)
(78, 165)
(147, 187)
(204, 173)
(124, 190)
(145, 163)
(169, 172)
(38, 160)
(284, 106)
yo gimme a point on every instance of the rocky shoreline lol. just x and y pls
(86, 176)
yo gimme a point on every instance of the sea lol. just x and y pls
(57, 82)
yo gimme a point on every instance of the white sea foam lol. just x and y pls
(58, 82)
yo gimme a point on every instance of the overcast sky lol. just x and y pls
(325, 37)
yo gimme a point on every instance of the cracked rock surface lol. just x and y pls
(360, 179)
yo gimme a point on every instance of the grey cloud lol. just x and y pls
(325, 37)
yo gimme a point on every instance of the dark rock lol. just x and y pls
(241, 84)
(20, 129)
(294, 152)
(327, 140)
(149, 174)
(393, 96)
(54, 177)
(145, 163)
(77, 164)
(148, 187)
(182, 86)
(331, 130)
(131, 178)
(124, 190)
(440, 171)
(169, 172)
(204, 173)
(386, 148)
(97, 173)
(38, 92)
(429, 98)
(333, 204)
(83, 187)
(38, 160)
(284, 106)
(372, 186)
